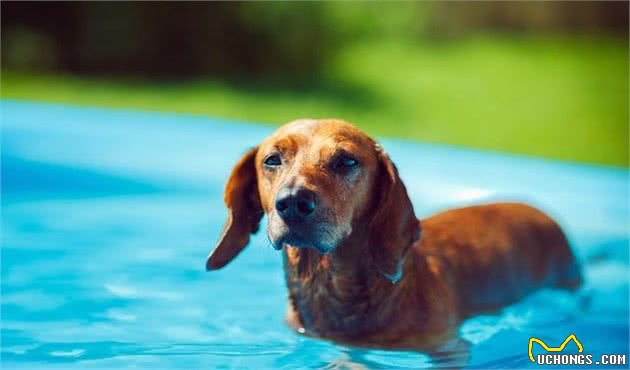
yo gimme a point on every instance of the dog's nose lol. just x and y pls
(295, 204)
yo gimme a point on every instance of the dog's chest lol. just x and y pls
(325, 300)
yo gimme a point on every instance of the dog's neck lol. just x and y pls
(335, 292)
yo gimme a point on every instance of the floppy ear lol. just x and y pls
(244, 212)
(394, 227)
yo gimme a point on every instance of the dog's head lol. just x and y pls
(318, 182)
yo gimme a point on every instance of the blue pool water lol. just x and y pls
(108, 215)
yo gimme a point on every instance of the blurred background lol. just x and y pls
(538, 78)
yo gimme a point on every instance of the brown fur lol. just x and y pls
(454, 264)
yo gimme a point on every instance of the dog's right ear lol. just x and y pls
(394, 226)
(244, 212)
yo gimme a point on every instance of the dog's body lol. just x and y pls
(458, 268)
(357, 270)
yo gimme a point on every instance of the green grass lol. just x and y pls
(563, 98)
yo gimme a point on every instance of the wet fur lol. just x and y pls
(455, 264)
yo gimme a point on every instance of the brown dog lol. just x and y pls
(360, 268)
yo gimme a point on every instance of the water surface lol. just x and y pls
(108, 215)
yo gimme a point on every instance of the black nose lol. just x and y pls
(295, 204)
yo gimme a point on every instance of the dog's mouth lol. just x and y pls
(321, 235)
(297, 240)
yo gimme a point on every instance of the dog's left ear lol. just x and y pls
(244, 212)
(394, 227)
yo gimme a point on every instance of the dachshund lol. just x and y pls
(360, 268)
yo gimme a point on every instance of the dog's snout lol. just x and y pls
(295, 204)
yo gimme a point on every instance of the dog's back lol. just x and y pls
(497, 253)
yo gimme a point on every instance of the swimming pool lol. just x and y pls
(108, 215)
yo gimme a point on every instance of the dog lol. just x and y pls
(361, 269)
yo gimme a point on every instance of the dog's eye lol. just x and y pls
(273, 160)
(344, 162)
